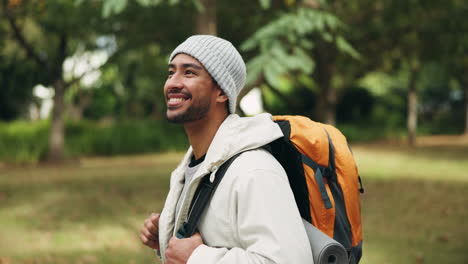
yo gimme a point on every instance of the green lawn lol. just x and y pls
(414, 209)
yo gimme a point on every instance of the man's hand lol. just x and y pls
(149, 234)
(180, 250)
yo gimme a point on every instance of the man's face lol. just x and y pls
(189, 90)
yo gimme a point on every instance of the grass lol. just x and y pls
(414, 209)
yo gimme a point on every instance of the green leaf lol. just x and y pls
(149, 2)
(346, 47)
(327, 36)
(305, 62)
(255, 68)
(106, 8)
(119, 6)
(111, 7)
(305, 43)
(78, 2)
(273, 70)
(332, 21)
(265, 4)
(249, 44)
(199, 6)
(271, 76)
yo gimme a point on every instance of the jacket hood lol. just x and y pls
(236, 134)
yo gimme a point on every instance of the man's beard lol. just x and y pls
(193, 113)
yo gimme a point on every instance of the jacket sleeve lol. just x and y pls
(266, 221)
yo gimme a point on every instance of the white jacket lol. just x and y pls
(252, 216)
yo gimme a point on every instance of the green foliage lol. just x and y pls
(284, 49)
(125, 137)
(265, 3)
(16, 82)
(287, 39)
(113, 7)
(25, 142)
(368, 132)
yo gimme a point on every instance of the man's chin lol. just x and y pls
(173, 118)
(183, 118)
(178, 118)
(191, 114)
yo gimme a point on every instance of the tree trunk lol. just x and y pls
(326, 105)
(81, 102)
(206, 19)
(56, 134)
(412, 115)
(325, 108)
(465, 88)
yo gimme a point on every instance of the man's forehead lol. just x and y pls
(185, 61)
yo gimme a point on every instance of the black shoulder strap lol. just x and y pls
(202, 196)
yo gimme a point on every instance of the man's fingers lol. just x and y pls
(146, 241)
(150, 226)
(155, 218)
(149, 235)
(150, 243)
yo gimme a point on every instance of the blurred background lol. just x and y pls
(86, 152)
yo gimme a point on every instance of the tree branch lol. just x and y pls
(19, 37)
(77, 79)
(62, 54)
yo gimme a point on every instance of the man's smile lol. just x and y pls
(177, 99)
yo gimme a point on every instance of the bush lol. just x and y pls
(126, 137)
(370, 132)
(24, 142)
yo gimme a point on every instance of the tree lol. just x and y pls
(206, 18)
(406, 36)
(304, 41)
(61, 27)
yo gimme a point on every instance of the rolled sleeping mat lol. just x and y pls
(325, 250)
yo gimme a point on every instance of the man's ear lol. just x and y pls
(221, 95)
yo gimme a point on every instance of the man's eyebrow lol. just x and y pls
(187, 65)
(191, 65)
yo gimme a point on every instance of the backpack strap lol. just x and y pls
(321, 171)
(202, 196)
(319, 179)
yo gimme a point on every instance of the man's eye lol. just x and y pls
(189, 72)
(170, 73)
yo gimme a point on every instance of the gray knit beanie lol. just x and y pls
(222, 61)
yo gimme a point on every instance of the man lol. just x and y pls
(252, 216)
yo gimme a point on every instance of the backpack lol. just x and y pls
(322, 174)
(323, 177)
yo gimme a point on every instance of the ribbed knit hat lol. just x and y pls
(222, 61)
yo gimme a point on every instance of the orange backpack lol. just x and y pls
(324, 178)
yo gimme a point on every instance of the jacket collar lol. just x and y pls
(236, 134)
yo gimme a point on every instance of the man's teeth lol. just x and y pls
(176, 100)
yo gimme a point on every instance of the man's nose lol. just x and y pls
(174, 82)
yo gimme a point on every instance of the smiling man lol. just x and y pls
(252, 216)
